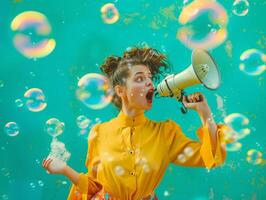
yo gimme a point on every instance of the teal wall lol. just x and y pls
(83, 40)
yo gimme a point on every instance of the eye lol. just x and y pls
(140, 78)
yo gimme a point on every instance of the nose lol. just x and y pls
(149, 83)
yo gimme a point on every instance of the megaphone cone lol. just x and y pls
(203, 70)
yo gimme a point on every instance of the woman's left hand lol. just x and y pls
(197, 102)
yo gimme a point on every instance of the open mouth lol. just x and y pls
(149, 95)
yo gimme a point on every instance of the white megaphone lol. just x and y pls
(203, 70)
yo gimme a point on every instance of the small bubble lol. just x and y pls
(41, 184)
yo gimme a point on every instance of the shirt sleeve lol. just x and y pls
(87, 184)
(187, 152)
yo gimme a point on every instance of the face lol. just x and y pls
(139, 88)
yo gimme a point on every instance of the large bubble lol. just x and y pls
(31, 30)
(11, 129)
(204, 23)
(110, 13)
(240, 7)
(94, 91)
(35, 100)
(54, 127)
(253, 62)
(239, 125)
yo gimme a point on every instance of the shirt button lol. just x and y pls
(131, 151)
(132, 173)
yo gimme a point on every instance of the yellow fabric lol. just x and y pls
(128, 157)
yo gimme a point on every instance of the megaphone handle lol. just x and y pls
(183, 108)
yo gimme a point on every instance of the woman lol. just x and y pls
(128, 155)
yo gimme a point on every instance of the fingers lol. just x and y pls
(195, 97)
(46, 162)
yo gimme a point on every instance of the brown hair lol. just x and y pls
(117, 68)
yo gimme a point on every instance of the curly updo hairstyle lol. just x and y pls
(117, 68)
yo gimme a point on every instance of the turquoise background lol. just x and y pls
(82, 43)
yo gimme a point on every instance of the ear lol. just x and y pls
(120, 90)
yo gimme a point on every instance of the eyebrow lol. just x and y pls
(142, 73)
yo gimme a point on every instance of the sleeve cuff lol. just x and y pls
(82, 184)
(208, 158)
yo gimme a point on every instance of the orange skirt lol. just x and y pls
(102, 195)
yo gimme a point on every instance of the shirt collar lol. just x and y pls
(125, 120)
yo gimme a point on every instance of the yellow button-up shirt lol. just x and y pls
(128, 156)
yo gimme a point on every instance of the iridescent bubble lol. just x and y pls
(110, 13)
(229, 135)
(31, 34)
(1, 83)
(5, 172)
(188, 151)
(186, 2)
(181, 158)
(35, 100)
(40, 182)
(254, 157)
(119, 170)
(204, 23)
(239, 124)
(19, 103)
(253, 62)
(240, 7)
(83, 122)
(94, 91)
(235, 146)
(12, 129)
(166, 193)
(146, 168)
(32, 185)
(4, 197)
(54, 127)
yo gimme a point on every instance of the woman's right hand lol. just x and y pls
(54, 165)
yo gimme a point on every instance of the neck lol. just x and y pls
(131, 112)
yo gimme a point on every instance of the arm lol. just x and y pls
(198, 102)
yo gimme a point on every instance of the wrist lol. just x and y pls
(65, 170)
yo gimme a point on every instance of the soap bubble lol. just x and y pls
(253, 62)
(188, 151)
(40, 182)
(181, 158)
(119, 170)
(31, 30)
(110, 13)
(19, 103)
(239, 124)
(204, 24)
(235, 146)
(54, 127)
(94, 91)
(11, 129)
(83, 122)
(254, 157)
(35, 100)
(1, 84)
(240, 7)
